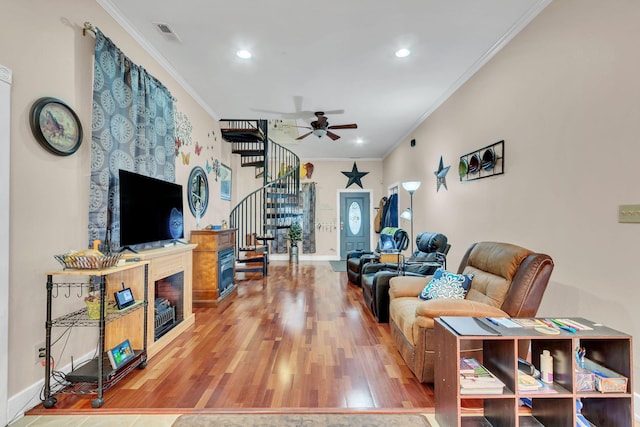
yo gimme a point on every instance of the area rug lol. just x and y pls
(339, 265)
(301, 420)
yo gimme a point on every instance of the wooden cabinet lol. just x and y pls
(213, 270)
(605, 346)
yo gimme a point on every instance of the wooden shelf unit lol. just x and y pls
(206, 264)
(606, 346)
(115, 326)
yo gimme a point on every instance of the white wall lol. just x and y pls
(564, 94)
(5, 124)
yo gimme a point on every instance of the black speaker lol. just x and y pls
(413, 142)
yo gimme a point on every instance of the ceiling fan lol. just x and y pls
(320, 127)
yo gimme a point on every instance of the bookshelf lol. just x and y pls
(605, 346)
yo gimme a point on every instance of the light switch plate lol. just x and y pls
(629, 213)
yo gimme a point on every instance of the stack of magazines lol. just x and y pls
(476, 379)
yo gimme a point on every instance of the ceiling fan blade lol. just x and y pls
(350, 126)
(296, 126)
(332, 135)
(326, 112)
(303, 136)
(285, 115)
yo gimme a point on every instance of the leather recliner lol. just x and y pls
(392, 240)
(430, 254)
(508, 281)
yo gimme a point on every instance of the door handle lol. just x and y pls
(341, 225)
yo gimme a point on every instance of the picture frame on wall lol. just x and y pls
(55, 126)
(225, 182)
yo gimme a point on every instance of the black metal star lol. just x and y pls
(354, 176)
(441, 175)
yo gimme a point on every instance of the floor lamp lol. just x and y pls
(411, 187)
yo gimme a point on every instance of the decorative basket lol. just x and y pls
(88, 262)
(93, 309)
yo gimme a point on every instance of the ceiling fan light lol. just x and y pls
(244, 54)
(403, 53)
(319, 132)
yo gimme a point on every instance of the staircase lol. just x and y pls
(271, 207)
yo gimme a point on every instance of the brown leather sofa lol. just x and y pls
(509, 281)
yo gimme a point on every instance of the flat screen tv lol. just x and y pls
(150, 210)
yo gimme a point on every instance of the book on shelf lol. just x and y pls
(466, 367)
(469, 365)
(543, 388)
(488, 390)
(481, 380)
(529, 322)
(527, 382)
(504, 321)
(469, 325)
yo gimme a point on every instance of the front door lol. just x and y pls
(354, 223)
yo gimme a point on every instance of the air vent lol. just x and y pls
(166, 31)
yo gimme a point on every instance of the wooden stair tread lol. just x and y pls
(253, 248)
(254, 259)
(242, 134)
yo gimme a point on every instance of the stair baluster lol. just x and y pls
(274, 205)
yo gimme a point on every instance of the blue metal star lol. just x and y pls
(354, 176)
(441, 175)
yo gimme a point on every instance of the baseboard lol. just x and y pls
(29, 398)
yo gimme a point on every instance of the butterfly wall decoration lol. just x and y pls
(185, 158)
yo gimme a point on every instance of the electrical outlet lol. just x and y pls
(40, 352)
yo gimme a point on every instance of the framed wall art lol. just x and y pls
(56, 126)
(483, 163)
(225, 182)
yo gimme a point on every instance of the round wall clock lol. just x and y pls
(56, 126)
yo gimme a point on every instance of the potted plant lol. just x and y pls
(294, 235)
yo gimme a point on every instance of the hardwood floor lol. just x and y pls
(299, 339)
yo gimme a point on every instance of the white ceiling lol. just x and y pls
(326, 55)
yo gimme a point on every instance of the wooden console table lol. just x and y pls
(206, 264)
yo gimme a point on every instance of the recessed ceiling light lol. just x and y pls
(401, 53)
(244, 54)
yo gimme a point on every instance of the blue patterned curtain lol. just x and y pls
(132, 129)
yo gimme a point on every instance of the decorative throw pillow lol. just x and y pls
(444, 284)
